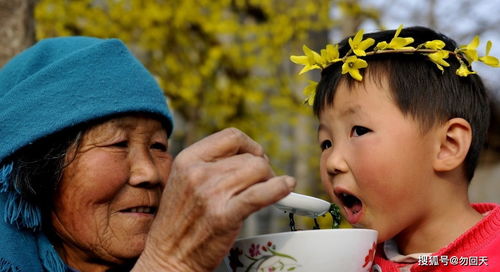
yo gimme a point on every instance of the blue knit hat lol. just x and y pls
(56, 84)
(62, 82)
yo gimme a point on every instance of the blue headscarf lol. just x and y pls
(56, 84)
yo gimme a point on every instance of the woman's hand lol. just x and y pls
(213, 186)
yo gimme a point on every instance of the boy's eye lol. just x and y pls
(325, 145)
(159, 146)
(359, 130)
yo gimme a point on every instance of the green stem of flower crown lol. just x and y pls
(460, 59)
(347, 55)
(409, 51)
(385, 51)
(417, 50)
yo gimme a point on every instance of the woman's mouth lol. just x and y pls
(141, 209)
(352, 205)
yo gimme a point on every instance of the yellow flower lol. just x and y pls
(438, 58)
(464, 71)
(310, 92)
(399, 42)
(381, 45)
(311, 60)
(330, 54)
(396, 42)
(358, 45)
(434, 44)
(487, 59)
(352, 65)
(470, 49)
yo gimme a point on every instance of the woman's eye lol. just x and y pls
(159, 146)
(120, 144)
(359, 130)
(325, 145)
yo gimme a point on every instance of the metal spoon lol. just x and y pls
(303, 205)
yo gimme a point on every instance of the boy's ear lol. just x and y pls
(455, 138)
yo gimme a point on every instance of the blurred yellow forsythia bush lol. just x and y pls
(221, 63)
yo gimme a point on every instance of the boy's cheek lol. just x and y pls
(328, 187)
(367, 168)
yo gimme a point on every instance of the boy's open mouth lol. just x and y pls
(352, 206)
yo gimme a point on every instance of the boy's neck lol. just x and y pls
(447, 217)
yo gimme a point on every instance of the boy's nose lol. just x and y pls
(335, 163)
(143, 169)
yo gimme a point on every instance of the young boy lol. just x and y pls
(400, 137)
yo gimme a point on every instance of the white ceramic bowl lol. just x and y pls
(345, 250)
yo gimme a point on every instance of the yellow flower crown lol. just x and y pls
(352, 60)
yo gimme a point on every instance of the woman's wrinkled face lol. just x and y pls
(109, 194)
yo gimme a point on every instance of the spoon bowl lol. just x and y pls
(303, 205)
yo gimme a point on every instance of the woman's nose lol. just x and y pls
(143, 169)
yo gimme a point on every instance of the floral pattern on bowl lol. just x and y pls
(262, 258)
(370, 256)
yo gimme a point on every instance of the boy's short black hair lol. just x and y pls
(419, 88)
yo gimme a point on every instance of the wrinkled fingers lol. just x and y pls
(225, 143)
(259, 196)
(236, 173)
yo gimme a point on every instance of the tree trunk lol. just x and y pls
(17, 28)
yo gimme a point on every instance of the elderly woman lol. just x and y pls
(86, 182)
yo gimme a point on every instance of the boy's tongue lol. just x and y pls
(352, 207)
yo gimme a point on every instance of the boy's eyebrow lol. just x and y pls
(350, 110)
(320, 127)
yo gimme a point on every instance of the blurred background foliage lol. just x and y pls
(221, 63)
(226, 63)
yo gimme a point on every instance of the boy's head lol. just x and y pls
(399, 146)
(418, 88)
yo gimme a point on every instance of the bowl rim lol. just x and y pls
(305, 232)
